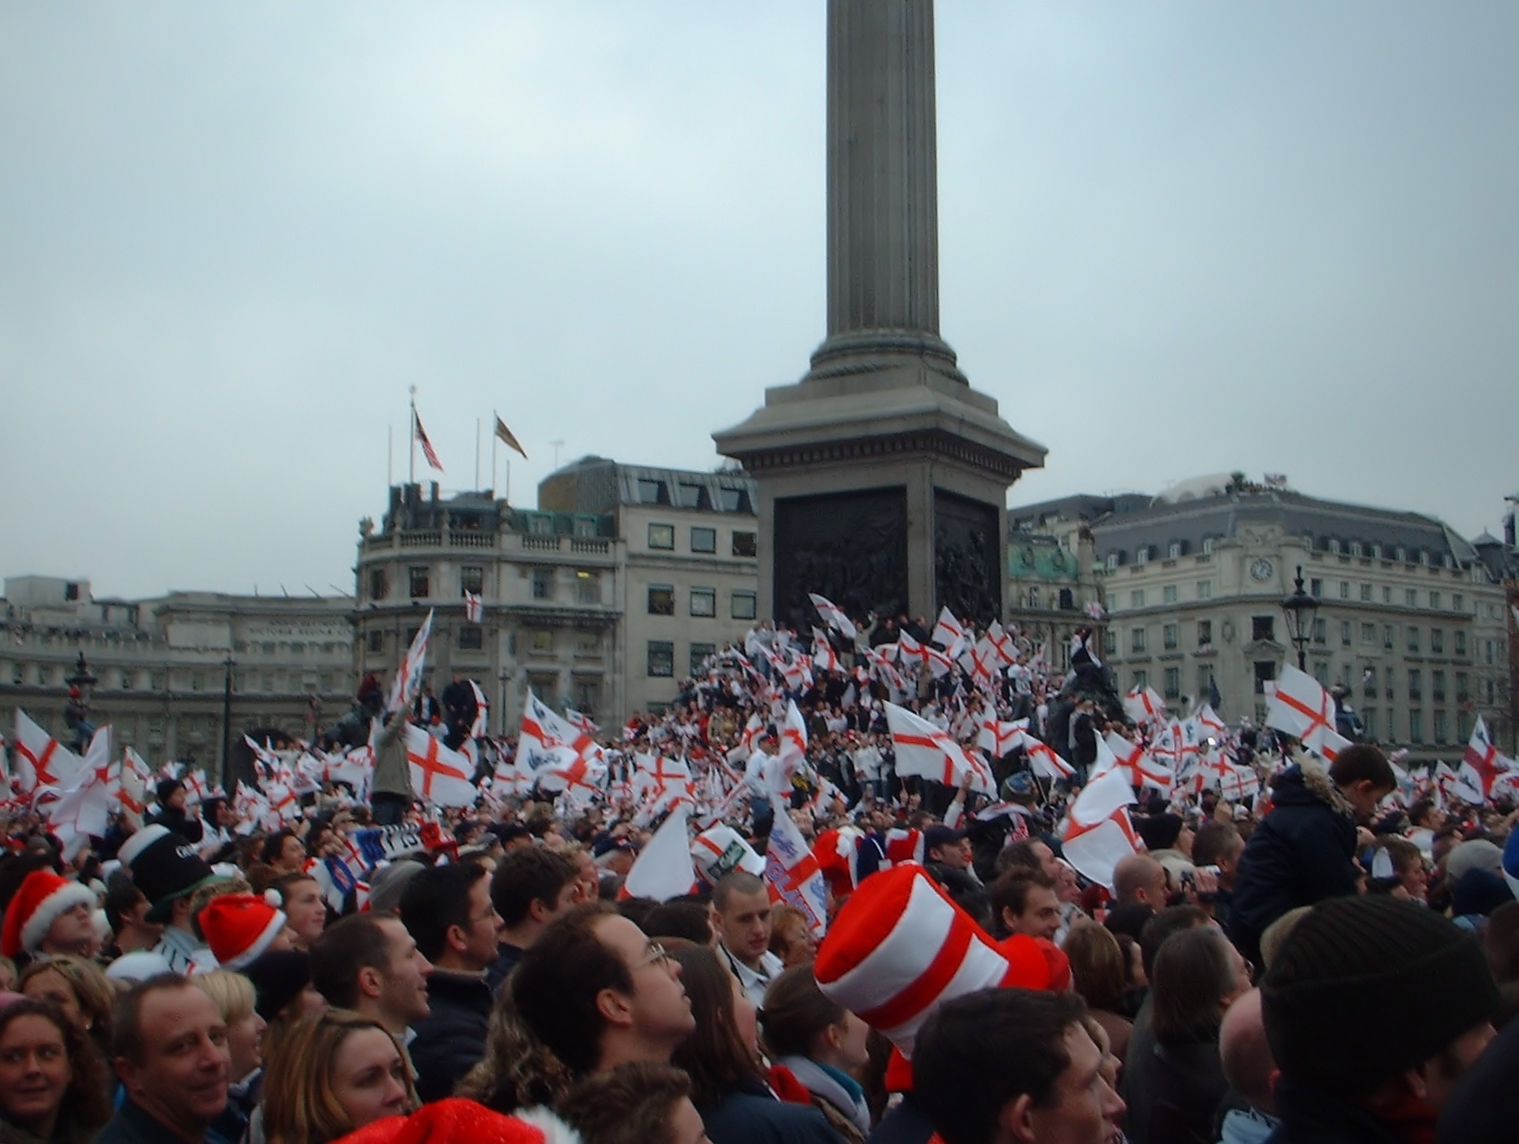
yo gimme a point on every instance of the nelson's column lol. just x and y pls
(882, 474)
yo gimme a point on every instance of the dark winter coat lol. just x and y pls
(750, 1114)
(1301, 853)
(907, 1123)
(1478, 1111)
(1174, 1093)
(133, 1124)
(1308, 1117)
(450, 1040)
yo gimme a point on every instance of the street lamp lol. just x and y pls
(83, 677)
(1301, 610)
(227, 723)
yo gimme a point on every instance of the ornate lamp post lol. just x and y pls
(83, 678)
(1301, 610)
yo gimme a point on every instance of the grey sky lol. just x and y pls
(1175, 239)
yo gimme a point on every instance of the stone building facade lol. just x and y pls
(162, 665)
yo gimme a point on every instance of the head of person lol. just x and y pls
(1025, 902)
(791, 937)
(448, 910)
(722, 1051)
(947, 846)
(684, 918)
(305, 910)
(335, 1073)
(1013, 1065)
(641, 1102)
(1245, 1052)
(1376, 1001)
(1219, 844)
(172, 795)
(1031, 854)
(1139, 879)
(597, 992)
(1501, 941)
(1198, 974)
(1098, 969)
(1165, 831)
(530, 888)
(370, 963)
(237, 1002)
(799, 1021)
(1171, 920)
(741, 915)
(78, 987)
(48, 1071)
(285, 851)
(170, 1053)
(126, 911)
(1410, 876)
(50, 914)
(1426, 814)
(1364, 776)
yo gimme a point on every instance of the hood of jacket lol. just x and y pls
(1305, 783)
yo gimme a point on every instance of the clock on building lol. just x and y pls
(1261, 569)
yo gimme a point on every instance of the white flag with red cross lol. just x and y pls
(792, 872)
(1144, 706)
(474, 607)
(1043, 760)
(923, 749)
(833, 615)
(948, 631)
(1098, 833)
(1298, 704)
(41, 760)
(407, 684)
(1481, 764)
(438, 775)
(1002, 644)
(84, 805)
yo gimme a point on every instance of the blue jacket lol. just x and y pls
(752, 1115)
(1301, 853)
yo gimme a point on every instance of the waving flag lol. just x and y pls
(438, 775)
(663, 869)
(793, 745)
(720, 850)
(1043, 760)
(427, 450)
(474, 607)
(1299, 705)
(1002, 644)
(1144, 705)
(41, 760)
(83, 807)
(1481, 763)
(948, 631)
(834, 615)
(824, 658)
(478, 729)
(507, 437)
(792, 871)
(923, 749)
(408, 681)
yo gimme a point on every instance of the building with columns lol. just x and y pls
(602, 598)
(162, 665)
(1411, 622)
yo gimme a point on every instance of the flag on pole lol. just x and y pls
(474, 607)
(923, 749)
(1298, 704)
(834, 615)
(438, 775)
(948, 631)
(663, 870)
(427, 450)
(41, 760)
(792, 871)
(408, 680)
(507, 437)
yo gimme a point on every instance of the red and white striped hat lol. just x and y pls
(899, 947)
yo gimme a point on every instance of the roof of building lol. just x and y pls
(599, 484)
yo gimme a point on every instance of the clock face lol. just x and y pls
(1261, 569)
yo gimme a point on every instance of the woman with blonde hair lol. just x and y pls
(79, 989)
(235, 999)
(335, 1073)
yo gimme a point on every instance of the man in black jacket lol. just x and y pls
(1304, 850)
(448, 910)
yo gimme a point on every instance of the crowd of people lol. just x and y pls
(1330, 953)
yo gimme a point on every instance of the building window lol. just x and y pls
(1442, 727)
(1321, 672)
(1137, 598)
(587, 694)
(690, 496)
(1437, 640)
(703, 539)
(1111, 563)
(744, 606)
(1460, 643)
(1110, 642)
(661, 659)
(1369, 681)
(700, 652)
(1205, 589)
(704, 601)
(745, 544)
(1344, 632)
(1320, 631)
(1366, 593)
(1172, 683)
(1415, 684)
(1463, 687)
(471, 637)
(1487, 652)
(1169, 637)
(419, 584)
(652, 492)
(1411, 597)
(472, 579)
(1168, 594)
(1137, 640)
(1369, 633)
(587, 587)
(540, 641)
(1369, 722)
(1387, 636)
(1174, 551)
(1265, 672)
(1141, 680)
(379, 583)
(1344, 589)
(1262, 628)
(543, 583)
(1434, 602)
(1457, 602)
(1416, 726)
(1143, 555)
(1316, 587)
(376, 641)
(1207, 546)
(160, 680)
(585, 527)
(661, 600)
(1413, 638)
(1437, 686)
(662, 536)
(1204, 633)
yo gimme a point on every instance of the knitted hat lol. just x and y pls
(278, 977)
(164, 867)
(389, 883)
(41, 899)
(1367, 987)
(1159, 831)
(900, 946)
(239, 927)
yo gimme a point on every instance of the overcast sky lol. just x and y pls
(1176, 238)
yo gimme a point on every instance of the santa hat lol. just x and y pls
(42, 899)
(455, 1121)
(899, 947)
(239, 927)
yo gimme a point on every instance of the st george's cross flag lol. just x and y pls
(923, 749)
(408, 681)
(948, 631)
(474, 607)
(438, 775)
(834, 615)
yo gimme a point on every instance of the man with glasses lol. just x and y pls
(599, 993)
(448, 910)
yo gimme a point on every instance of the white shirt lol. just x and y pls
(755, 982)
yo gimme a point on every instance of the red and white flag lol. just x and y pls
(1144, 705)
(663, 869)
(1002, 644)
(1299, 705)
(438, 776)
(83, 807)
(1481, 764)
(1098, 832)
(834, 615)
(792, 755)
(427, 450)
(720, 850)
(792, 871)
(478, 729)
(824, 658)
(948, 631)
(41, 760)
(923, 749)
(408, 681)
(1043, 760)
(997, 738)
(474, 607)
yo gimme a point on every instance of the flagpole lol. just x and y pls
(390, 445)
(493, 464)
(411, 451)
(477, 452)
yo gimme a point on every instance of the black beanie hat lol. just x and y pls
(1159, 831)
(164, 867)
(278, 977)
(1365, 988)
